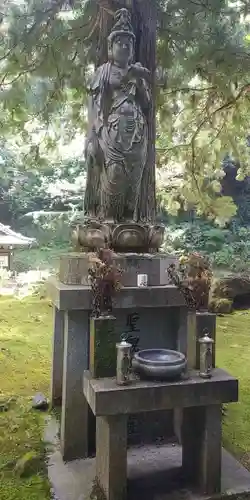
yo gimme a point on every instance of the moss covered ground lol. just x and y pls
(233, 354)
(25, 357)
(25, 353)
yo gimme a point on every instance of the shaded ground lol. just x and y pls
(25, 354)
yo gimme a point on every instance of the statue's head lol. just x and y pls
(121, 41)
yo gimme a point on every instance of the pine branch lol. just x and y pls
(226, 105)
(30, 69)
(190, 89)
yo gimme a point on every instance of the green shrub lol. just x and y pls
(223, 306)
(228, 248)
(52, 232)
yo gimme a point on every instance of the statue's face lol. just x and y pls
(122, 49)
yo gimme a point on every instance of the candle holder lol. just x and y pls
(206, 355)
(123, 363)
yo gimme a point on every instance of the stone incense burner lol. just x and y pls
(159, 364)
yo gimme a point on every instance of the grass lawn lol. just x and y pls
(25, 357)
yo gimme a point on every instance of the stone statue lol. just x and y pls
(116, 152)
(116, 146)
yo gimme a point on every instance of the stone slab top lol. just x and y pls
(128, 255)
(106, 398)
(72, 297)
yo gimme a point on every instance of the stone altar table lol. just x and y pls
(201, 430)
(158, 315)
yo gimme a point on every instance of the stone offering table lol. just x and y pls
(201, 401)
(157, 315)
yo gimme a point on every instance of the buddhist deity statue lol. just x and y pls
(116, 146)
(117, 151)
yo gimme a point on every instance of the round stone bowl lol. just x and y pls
(159, 364)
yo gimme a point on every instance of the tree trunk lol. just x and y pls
(144, 22)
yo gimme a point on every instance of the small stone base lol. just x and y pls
(74, 268)
(154, 473)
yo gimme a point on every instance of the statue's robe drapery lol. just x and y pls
(116, 145)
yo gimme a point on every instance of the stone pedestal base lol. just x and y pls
(74, 268)
(157, 316)
(154, 473)
(93, 234)
(201, 429)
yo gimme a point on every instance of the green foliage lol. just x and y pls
(53, 235)
(46, 52)
(26, 188)
(43, 258)
(227, 248)
(49, 228)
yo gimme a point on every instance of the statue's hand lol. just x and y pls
(138, 71)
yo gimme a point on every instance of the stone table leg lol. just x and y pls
(57, 358)
(201, 447)
(111, 456)
(75, 417)
(186, 343)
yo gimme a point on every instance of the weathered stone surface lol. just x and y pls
(106, 398)
(91, 235)
(201, 447)
(155, 266)
(40, 402)
(111, 456)
(57, 358)
(154, 473)
(71, 297)
(191, 328)
(186, 339)
(75, 414)
(74, 268)
(102, 352)
(150, 427)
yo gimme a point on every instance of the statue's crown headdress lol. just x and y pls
(122, 25)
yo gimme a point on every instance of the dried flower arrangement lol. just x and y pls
(105, 280)
(193, 276)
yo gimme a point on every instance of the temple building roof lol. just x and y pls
(8, 237)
